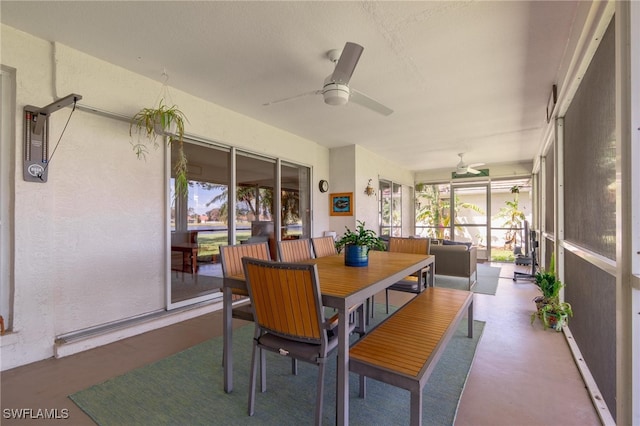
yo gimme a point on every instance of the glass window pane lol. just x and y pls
(295, 201)
(396, 211)
(199, 222)
(432, 210)
(470, 213)
(254, 219)
(510, 207)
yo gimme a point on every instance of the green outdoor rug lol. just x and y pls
(487, 280)
(187, 389)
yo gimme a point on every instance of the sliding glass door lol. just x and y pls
(256, 182)
(295, 201)
(231, 199)
(199, 223)
(469, 207)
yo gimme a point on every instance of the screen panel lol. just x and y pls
(591, 292)
(590, 156)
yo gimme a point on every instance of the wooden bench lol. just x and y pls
(404, 349)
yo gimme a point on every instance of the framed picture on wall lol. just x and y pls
(341, 204)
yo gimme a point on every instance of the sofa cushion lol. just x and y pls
(455, 243)
(448, 248)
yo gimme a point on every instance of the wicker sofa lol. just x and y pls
(458, 260)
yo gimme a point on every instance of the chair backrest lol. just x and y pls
(286, 299)
(231, 256)
(409, 245)
(324, 246)
(294, 250)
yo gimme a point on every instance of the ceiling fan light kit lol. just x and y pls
(335, 93)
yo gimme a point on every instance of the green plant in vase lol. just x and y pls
(161, 121)
(548, 284)
(549, 309)
(358, 243)
(553, 314)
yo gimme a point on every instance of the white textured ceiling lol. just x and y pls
(470, 76)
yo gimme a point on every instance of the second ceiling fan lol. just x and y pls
(463, 168)
(336, 90)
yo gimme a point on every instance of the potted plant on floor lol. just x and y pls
(549, 309)
(554, 314)
(162, 121)
(357, 245)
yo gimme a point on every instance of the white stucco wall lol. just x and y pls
(351, 168)
(90, 243)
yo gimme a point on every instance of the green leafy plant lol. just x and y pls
(553, 311)
(547, 282)
(162, 121)
(360, 237)
(548, 305)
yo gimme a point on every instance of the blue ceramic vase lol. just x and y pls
(356, 255)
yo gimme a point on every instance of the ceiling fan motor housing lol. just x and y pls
(335, 93)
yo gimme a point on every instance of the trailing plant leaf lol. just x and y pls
(180, 170)
(153, 122)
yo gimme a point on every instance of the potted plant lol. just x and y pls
(357, 245)
(553, 314)
(547, 283)
(162, 120)
(549, 286)
(549, 309)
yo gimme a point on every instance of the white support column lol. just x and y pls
(628, 208)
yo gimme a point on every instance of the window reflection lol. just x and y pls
(295, 202)
(199, 223)
(390, 208)
(202, 220)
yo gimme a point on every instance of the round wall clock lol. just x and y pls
(323, 185)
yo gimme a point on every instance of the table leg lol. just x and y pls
(227, 330)
(432, 274)
(342, 385)
(194, 261)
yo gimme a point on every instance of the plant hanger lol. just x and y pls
(164, 120)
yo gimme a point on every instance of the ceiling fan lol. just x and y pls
(336, 90)
(462, 168)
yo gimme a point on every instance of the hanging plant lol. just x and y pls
(162, 121)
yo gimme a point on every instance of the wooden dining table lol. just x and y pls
(341, 287)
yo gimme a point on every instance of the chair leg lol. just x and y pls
(252, 385)
(320, 394)
(373, 309)
(362, 326)
(386, 292)
(263, 370)
(294, 366)
(363, 386)
(370, 308)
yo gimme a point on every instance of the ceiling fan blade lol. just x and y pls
(367, 102)
(476, 165)
(290, 98)
(473, 171)
(347, 63)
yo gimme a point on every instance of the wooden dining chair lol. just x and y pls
(294, 326)
(415, 283)
(231, 259)
(324, 246)
(294, 250)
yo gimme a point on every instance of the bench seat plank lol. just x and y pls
(404, 349)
